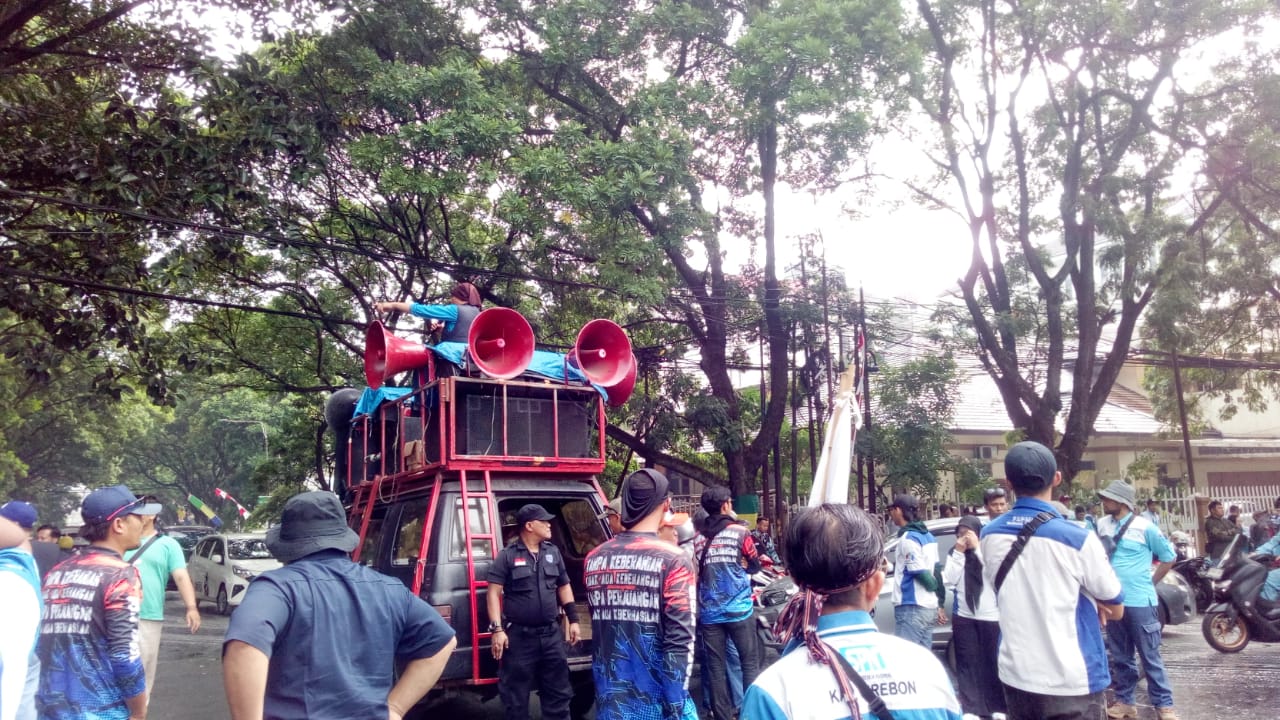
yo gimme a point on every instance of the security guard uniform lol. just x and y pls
(536, 652)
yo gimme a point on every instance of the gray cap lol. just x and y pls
(1122, 492)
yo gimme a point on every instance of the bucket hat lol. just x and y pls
(311, 522)
(1122, 492)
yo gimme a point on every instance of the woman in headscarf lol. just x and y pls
(832, 648)
(975, 624)
(455, 317)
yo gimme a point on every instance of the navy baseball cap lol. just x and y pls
(108, 503)
(22, 513)
(1030, 466)
(532, 512)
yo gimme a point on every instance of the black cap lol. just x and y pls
(1030, 466)
(905, 501)
(532, 512)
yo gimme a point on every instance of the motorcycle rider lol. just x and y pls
(1271, 589)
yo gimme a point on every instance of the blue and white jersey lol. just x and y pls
(916, 554)
(910, 680)
(1050, 639)
(1142, 541)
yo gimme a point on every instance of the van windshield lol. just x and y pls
(248, 550)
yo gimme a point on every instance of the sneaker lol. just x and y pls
(1120, 710)
(1166, 713)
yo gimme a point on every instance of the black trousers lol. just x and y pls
(535, 658)
(977, 645)
(1033, 706)
(745, 639)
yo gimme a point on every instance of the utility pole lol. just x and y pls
(866, 399)
(1182, 419)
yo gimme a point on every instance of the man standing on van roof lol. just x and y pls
(641, 612)
(318, 638)
(1052, 661)
(528, 586)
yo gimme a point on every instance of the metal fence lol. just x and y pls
(1181, 513)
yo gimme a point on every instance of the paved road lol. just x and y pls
(1207, 685)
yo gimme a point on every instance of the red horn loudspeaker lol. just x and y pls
(385, 355)
(602, 352)
(501, 343)
(619, 393)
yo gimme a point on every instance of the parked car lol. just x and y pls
(1174, 594)
(188, 535)
(222, 566)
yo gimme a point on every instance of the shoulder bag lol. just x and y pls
(1018, 544)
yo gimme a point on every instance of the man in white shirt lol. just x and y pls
(1052, 661)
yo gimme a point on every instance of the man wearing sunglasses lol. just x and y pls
(91, 666)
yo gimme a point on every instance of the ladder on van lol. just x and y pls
(474, 584)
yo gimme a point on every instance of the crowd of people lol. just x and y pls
(1032, 589)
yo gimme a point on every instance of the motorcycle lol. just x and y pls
(771, 590)
(1238, 614)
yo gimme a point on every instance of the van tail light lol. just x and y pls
(446, 612)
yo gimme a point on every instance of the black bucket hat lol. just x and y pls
(311, 522)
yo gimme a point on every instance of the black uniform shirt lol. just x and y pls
(529, 582)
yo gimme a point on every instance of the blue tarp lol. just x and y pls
(370, 399)
(545, 364)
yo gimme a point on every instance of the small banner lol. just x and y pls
(198, 504)
(224, 495)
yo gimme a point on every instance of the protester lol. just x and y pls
(613, 513)
(1258, 530)
(1233, 514)
(326, 630)
(996, 502)
(454, 318)
(1271, 588)
(90, 665)
(1084, 519)
(975, 624)
(1052, 661)
(158, 559)
(48, 533)
(1136, 542)
(669, 531)
(20, 605)
(642, 613)
(1218, 531)
(726, 557)
(528, 587)
(762, 536)
(833, 553)
(917, 590)
(1152, 513)
(47, 554)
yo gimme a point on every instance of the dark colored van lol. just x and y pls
(433, 479)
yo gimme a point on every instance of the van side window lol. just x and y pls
(203, 548)
(583, 524)
(409, 533)
(478, 515)
(372, 540)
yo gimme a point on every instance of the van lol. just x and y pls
(433, 478)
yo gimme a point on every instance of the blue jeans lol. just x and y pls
(1139, 629)
(27, 706)
(915, 623)
(1271, 589)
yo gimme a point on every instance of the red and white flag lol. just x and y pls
(224, 495)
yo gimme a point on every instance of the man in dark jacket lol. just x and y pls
(1218, 530)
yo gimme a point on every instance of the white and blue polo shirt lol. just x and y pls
(916, 555)
(910, 680)
(1050, 639)
(1132, 559)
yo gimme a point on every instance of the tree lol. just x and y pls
(913, 407)
(1062, 130)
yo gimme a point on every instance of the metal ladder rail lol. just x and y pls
(475, 585)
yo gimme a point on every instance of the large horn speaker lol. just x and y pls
(619, 393)
(385, 355)
(501, 343)
(602, 352)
